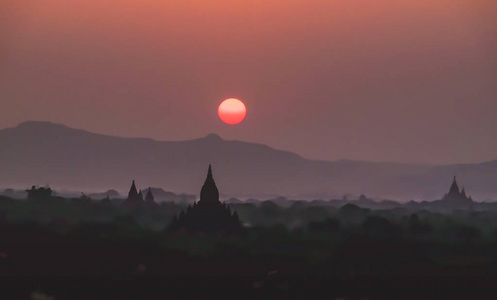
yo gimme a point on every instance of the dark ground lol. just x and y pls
(350, 253)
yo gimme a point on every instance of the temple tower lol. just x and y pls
(134, 198)
(133, 193)
(149, 198)
(454, 188)
(209, 192)
(208, 215)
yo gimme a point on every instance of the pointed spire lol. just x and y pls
(149, 198)
(209, 192)
(208, 214)
(463, 193)
(454, 188)
(133, 193)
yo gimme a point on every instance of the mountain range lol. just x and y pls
(43, 153)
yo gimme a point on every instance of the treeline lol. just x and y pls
(300, 218)
(321, 245)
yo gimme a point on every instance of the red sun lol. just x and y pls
(232, 111)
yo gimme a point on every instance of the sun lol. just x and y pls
(232, 111)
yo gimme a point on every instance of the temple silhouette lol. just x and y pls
(135, 198)
(457, 196)
(207, 215)
(149, 198)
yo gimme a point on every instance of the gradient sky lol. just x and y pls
(405, 81)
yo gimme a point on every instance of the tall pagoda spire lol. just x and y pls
(209, 192)
(208, 214)
(454, 188)
(133, 193)
(457, 199)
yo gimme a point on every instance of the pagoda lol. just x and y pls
(208, 215)
(149, 198)
(134, 198)
(457, 196)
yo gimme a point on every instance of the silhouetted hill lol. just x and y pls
(164, 196)
(46, 153)
(112, 194)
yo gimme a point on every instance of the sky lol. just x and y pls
(403, 81)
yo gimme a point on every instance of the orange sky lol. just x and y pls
(370, 80)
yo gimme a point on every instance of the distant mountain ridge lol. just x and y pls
(39, 153)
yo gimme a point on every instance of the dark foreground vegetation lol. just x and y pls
(58, 248)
